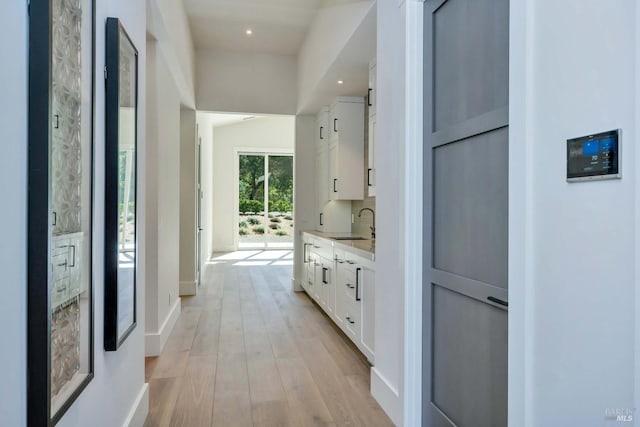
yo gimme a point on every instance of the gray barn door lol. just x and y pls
(466, 205)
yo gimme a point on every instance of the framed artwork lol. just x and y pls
(60, 201)
(120, 185)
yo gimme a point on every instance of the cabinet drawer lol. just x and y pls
(351, 320)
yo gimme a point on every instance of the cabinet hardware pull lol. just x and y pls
(335, 124)
(498, 301)
(57, 123)
(358, 284)
(369, 98)
(369, 177)
(55, 218)
(324, 275)
(321, 222)
(334, 185)
(349, 320)
(321, 128)
(349, 285)
(304, 253)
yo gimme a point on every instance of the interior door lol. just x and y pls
(466, 154)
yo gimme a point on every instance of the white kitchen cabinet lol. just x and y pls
(322, 157)
(355, 300)
(342, 283)
(371, 152)
(346, 149)
(371, 165)
(332, 216)
(372, 94)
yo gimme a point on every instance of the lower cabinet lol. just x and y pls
(343, 284)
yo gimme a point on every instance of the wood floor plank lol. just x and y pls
(271, 414)
(194, 405)
(307, 406)
(171, 365)
(163, 393)
(332, 384)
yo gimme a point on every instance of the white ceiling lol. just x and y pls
(220, 119)
(279, 26)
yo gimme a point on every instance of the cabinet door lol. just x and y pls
(365, 281)
(322, 182)
(340, 296)
(318, 284)
(371, 171)
(371, 96)
(329, 288)
(333, 171)
(347, 163)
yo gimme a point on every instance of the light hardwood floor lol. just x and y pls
(248, 351)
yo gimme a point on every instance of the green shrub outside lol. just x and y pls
(281, 233)
(258, 229)
(274, 226)
(247, 205)
(253, 221)
(243, 231)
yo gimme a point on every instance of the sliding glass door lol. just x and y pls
(265, 201)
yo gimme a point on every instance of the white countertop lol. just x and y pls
(363, 248)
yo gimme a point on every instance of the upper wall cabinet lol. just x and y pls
(371, 151)
(346, 149)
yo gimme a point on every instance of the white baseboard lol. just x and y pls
(387, 396)
(188, 288)
(138, 413)
(154, 342)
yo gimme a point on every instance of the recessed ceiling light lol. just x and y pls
(340, 82)
(249, 31)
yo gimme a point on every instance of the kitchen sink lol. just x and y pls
(350, 238)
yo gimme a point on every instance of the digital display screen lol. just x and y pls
(594, 156)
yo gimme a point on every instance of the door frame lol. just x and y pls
(414, 207)
(249, 151)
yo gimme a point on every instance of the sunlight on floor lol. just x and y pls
(245, 258)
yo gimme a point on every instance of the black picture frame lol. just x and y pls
(39, 225)
(114, 335)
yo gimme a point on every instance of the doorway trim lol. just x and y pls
(237, 152)
(414, 172)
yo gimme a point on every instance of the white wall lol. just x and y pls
(163, 195)
(259, 134)
(119, 375)
(245, 82)
(304, 189)
(167, 23)
(329, 32)
(188, 201)
(387, 375)
(13, 252)
(573, 247)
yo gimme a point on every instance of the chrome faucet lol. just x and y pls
(373, 227)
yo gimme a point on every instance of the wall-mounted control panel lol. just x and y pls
(594, 157)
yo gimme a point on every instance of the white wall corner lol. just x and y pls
(138, 413)
(188, 288)
(296, 286)
(387, 396)
(155, 341)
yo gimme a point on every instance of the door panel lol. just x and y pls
(470, 207)
(471, 62)
(469, 360)
(466, 205)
